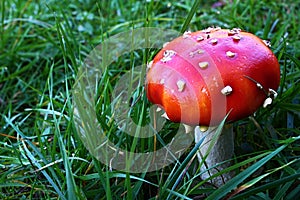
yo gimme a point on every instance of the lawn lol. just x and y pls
(47, 151)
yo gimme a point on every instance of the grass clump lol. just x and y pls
(43, 45)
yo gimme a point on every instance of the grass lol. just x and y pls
(42, 155)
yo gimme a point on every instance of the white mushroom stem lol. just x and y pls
(221, 151)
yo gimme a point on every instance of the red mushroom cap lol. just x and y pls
(201, 76)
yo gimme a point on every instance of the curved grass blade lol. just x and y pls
(257, 179)
(234, 182)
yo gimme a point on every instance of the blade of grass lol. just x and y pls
(2, 23)
(233, 183)
(231, 168)
(71, 186)
(294, 194)
(178, 174)
(257, 179)
(267, 186)
(267, 26)
(35, 161)
(282, 192)
(104, 178)
(190, 15)
(68, 52)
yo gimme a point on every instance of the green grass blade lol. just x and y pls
(257, 179)
(190, 15)
(267, 26)
(34, 160)
(233, 183)
(282, 192)
(180, 172)
(267, 186)
(294, 194)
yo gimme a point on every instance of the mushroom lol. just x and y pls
(201, 77)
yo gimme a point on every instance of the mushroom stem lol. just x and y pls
(222, 150)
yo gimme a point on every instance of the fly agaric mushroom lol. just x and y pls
(200, 77)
